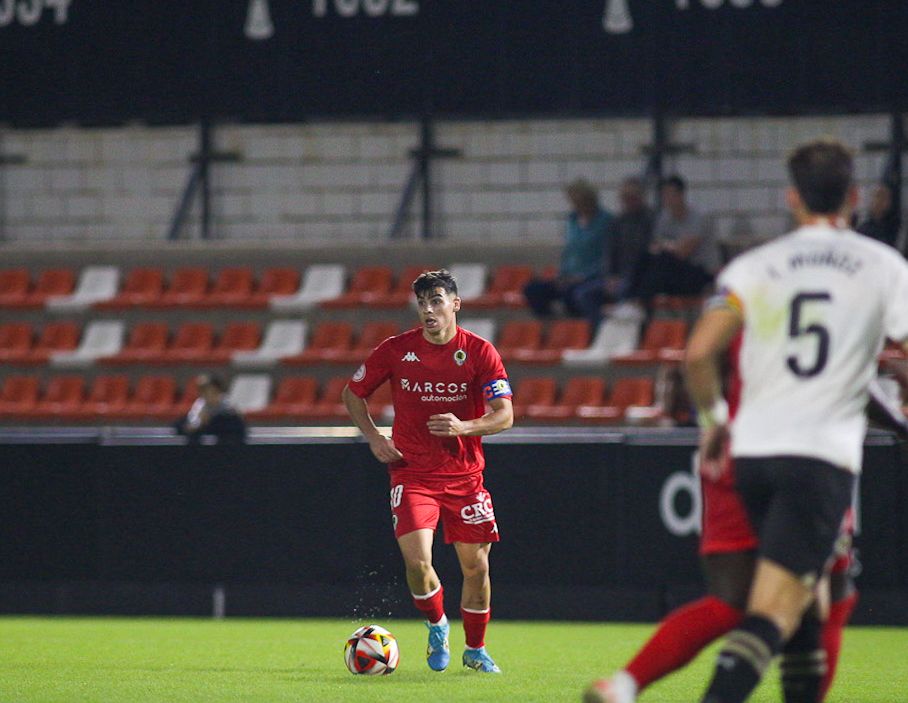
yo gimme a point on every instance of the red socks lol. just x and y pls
(474, 626)
(681, 636)
(831, 637)
(432, 604)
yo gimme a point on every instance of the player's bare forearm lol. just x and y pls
(358, 410)
(498, 419)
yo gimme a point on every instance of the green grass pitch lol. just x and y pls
(175, 660)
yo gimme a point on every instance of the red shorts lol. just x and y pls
(726, 527)
(464, 506)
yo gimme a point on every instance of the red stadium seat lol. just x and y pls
(107, 395)
(505, 288)
(627, 392)
(237, 336)
(561, 335)
(402, 292)
(232, 287)
(517, 335)
(329, 406)
(56, 336)
(188, 287)
(663, 341)
(192, 341)
(274, 281)
(142, 287)
(581, 390)
(534, 391)
(52, 282)
(678, 303)
(62, 397)
(147, 341)
(153, 398)
(294, 399)
(370, 283)
(371, 335)
(329, 340)
(13, 287)
(18, 396)
(15, 340)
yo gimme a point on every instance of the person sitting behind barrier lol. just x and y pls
(582, 256)
(212, 414)
(683, 257)
(882, 220)
(626, 242)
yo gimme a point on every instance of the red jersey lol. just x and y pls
(430, 379)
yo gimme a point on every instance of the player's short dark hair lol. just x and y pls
(675, 181)
(822, 171)
(430, 280)
(211, 380)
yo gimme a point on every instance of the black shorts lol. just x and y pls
(796, 505)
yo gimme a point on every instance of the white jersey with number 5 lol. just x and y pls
(818, 304)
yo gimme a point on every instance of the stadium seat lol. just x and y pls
(273, 282)
(579, 391)
(147, 341)
(328, 341)
(663, 341)
(153, 398)
(100, 339)
(249, 392)
(534, 391)
(505, 288)
(63, 396)
(96, 284)
(368, 284)
(614, 337)
(237, 337)
(193, 340)
(283, 338)
(18, 396)
(15, 340)
(321, 282)
(402, 292)
(188, 287)
(232, 288)
(519, 334)
(13, 287)
(627, 393)
(561, 335)
(50, 283)
(370, 336)
(482, 326)
(329, 406)
(54, 337)
(294, 398)
(471, 280)
(677, 303)
(142, 287)
(107, 395)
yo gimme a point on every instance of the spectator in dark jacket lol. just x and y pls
(882, 221)
(212, 414)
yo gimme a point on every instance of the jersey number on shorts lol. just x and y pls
(396, 494)
(796, 330)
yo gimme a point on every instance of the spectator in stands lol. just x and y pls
(683, 257)
(581, 258)
(212, 414)
(882, 221)
(626, 240)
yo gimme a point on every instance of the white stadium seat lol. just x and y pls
(96, 284)
(320, 282)
(483, 326)
(101, 339)
(282, 338)
(250, 392)
(471, 279)
(613, 338)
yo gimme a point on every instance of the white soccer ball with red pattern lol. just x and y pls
(372, 650)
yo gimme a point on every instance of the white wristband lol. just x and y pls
(715, 415)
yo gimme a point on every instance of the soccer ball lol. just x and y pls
(371, 650)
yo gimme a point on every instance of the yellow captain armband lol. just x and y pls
(724, 299)
(717, 414)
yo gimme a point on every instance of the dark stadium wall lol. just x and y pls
(589, 531)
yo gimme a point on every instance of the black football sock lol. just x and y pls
(803, 664)
(743, 659)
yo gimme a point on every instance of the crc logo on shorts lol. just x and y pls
(479, 512)
(499, 388)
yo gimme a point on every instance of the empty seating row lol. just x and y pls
(586, 399)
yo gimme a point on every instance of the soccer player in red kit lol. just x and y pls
(442, 378)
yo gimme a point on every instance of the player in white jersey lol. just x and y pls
(814, 307)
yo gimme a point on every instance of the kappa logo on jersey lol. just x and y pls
(499, 388)
(479, 512)
(410, 356)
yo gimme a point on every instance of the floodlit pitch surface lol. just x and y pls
(142, 659)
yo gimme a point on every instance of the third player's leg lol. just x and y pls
(474, 563)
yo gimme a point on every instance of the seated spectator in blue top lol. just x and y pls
(683, 256)
(626, 241)
(882, 220)
(582, 256)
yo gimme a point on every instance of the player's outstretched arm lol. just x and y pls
(498, 419)
(382, 447)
